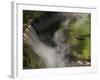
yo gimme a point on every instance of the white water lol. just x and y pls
(50, 55)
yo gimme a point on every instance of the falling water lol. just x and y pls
(50, 55)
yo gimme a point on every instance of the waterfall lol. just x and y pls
(50, 55)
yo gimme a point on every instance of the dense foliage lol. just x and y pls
(79, 37)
